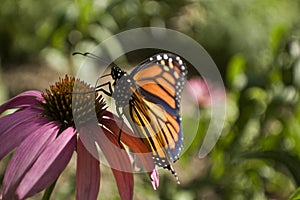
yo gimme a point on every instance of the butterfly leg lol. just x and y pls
(100, 88)
(120, 132)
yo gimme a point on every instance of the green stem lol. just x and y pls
(49, 190)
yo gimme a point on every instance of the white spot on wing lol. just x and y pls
(166, 68)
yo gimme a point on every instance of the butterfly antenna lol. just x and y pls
(105, 75)
(93, 56)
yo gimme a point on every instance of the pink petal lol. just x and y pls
(49, 165)
(14, 137)
(87, 174)
(116, 156)
(134, 143)
(125, 183)
(12, 120)
(154, 178)
(32, 146)
(24, 99)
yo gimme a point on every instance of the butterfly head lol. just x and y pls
(116, 73)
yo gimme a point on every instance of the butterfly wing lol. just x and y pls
(153, 111)
(161, 79)
(159, 130)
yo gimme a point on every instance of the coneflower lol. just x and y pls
(46, 128)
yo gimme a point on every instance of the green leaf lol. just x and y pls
(295, 195)
(291, 162)
(235, 75)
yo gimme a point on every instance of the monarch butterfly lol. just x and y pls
(149, 97)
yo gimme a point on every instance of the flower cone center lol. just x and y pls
(69, 99)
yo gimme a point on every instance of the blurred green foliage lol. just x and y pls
(256, 46)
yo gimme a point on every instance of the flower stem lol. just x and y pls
(48, 191)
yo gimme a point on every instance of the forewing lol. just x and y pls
(161, 80)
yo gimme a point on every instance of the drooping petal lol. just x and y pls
(49, 165)
(154, 178)
(134, 143)
(25, 156)
(87, 174)
(14, 137)
(116, 156)
(24, 99)
(125, 184)
(10, 121)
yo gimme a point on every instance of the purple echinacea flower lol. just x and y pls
(43, 136)
(202, 92)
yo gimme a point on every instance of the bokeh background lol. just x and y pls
(254, 43)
